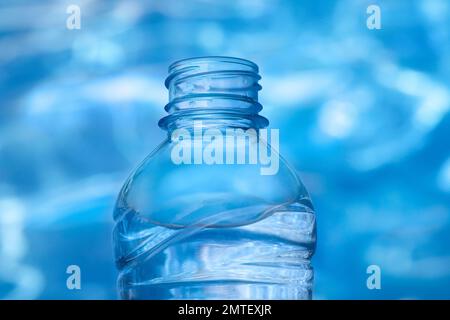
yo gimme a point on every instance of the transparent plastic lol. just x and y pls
(213, 231)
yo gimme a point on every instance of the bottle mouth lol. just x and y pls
(196, 65)
(214, 87)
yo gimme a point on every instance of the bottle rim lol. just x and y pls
(227, 59)
(194, 65)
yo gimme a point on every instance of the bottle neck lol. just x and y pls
(218, 91)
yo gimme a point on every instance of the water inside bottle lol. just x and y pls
(214, 258)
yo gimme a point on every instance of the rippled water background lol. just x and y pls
(363, 115)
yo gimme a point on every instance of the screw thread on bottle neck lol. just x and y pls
(220, 91)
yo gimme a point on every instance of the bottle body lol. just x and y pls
(214, 228)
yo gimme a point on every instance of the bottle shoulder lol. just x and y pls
(161, 187)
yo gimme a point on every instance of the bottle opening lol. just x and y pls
(208, 64)
(213, 88)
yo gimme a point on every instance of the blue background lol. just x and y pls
(363, 115)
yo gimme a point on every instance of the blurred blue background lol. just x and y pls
(363, 115)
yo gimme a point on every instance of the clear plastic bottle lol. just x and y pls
(207, 229)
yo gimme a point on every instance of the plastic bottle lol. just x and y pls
(207, 215)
